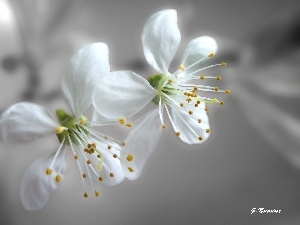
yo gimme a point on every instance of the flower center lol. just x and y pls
(69, 125)
(158, 82)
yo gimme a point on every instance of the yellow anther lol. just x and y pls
(223, 63)
(199, 121)
(130, 157)
(97, 193)
(128, 125)
(58, 178)
(207, 131)
(190, 112)
(202, 77)
(130, 169)
(182, 67)
(85, 195)
(60, 129)
(123, 144)
(200, 138)
(227, 91)
(82, 120)
(100, 178)
(111, 175)
(189, 100)
(170, 81)
(216, 89)
(196, 105)
(48, 171)
(198, 102)
(122, 121)
(221, 103)
(177, 134)
(195, 88)
(211, 54)
(206, 109)
(115, 155)
(89, 162)
(219, 78)
(164, 126)
(84, 175)
(89, 145)
(109, 147)
(215, 100)
(75, 157)
(181, 104)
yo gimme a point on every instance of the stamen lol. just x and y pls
(56, 154)
(219, 78)
(223, 64)
(100, 178)
(111, 175)
(78, 165)
(122, 120)
(211, 55)
(58, 178)
(207, 130)
(85, 195)
(182, 67)
(60, 129)
(200, 138)
(160, 112)
(130, 157)
(97, 193)
(164, 126)
(177, 134)
(48, 171)
(227, 91)
(83, 120)
(130, 169)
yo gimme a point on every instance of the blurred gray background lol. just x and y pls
(252, 157)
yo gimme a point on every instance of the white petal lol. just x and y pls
(36, 186)
(161, 38)
(188, 125)
(84, 71)
(24, 122)
(122, 94)
(197, 49)
(110, 165)
(140, 143)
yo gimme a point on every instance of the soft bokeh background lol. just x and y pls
(252, 158)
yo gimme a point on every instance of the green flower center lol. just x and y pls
(158, 82)
(74, 127)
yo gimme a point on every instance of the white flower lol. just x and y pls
(96, 155)
(126, 93)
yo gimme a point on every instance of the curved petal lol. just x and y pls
(198, 49)
(36, 186)
(109, 170)
(161, 38)
(24, 122)
(189, 126)
(85, 68)
(140, 143)
(122, 94)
